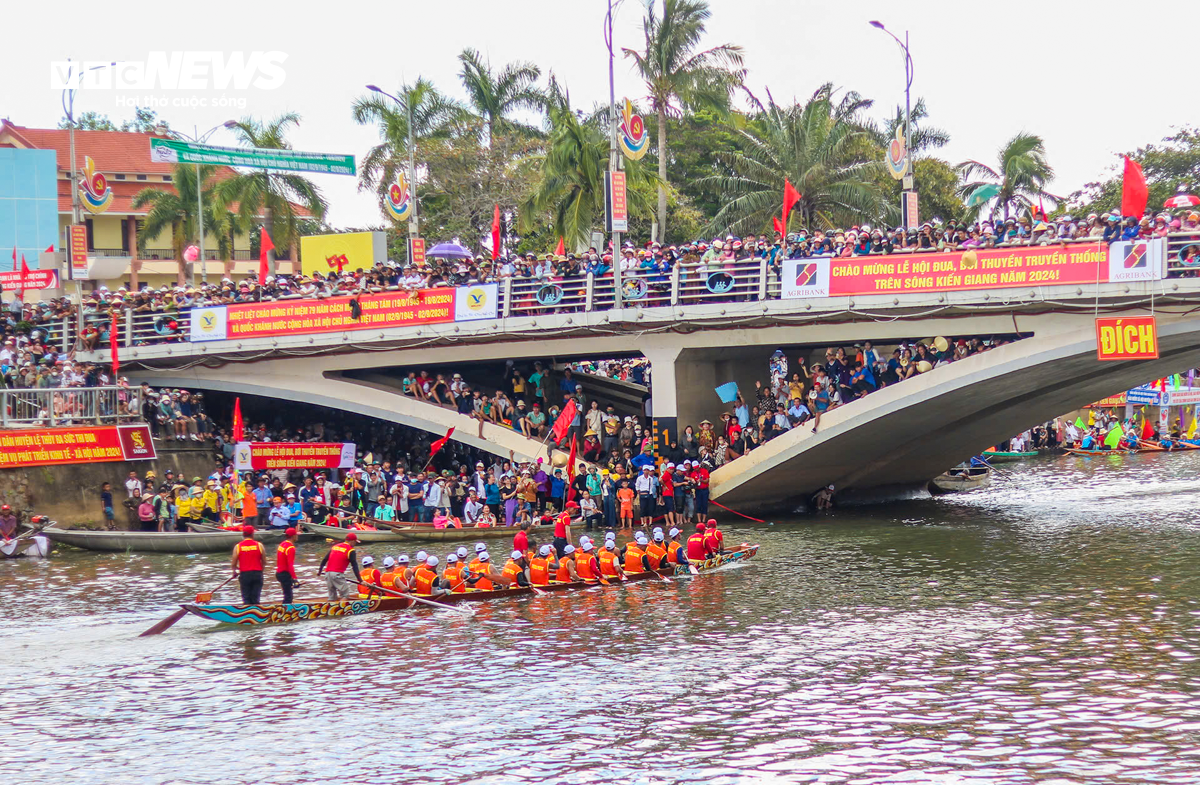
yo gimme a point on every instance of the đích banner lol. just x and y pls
(50, 446)
(1126, 338)
(249, 456)
(981, 268)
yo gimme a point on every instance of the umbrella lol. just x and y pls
(1182, 200)
(448, 251)
(982, 194)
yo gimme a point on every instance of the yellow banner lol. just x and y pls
(334, 253)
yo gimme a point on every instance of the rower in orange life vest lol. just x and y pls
(285, 565)
(543, 566)
(675, 552)
(713, 537)
(370, 576)
(387, 578)
(656, 551)
(473, 564)
(247, 563)
(566, 572)
(697, 545)
(634, 554)
(334, 566)
(515, 572)
(402, 577)
(610, 559)
(484, 575)
(425, 578)
(454, 577)
(586, 565)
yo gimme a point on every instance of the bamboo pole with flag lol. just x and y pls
(24, 279)
(563, 423)
(790, 197)
(1113, 438)
(561, 248)
(437, 446)
(113, 341)
(1191, 431)
(1134, 192)
(496, 233)
(239, 428)
(571, 473)
(265, 247)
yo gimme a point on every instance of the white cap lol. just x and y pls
(587, 546)
(517, 554)
(544, 550)
(461, 552)
(569, 549)
(388, 561)
(610, 538)
(452, 559)
(674, 531)
(368, 560)
(641, 539)
(658, 536)
(421, 555)
(402, 559)
(431, 561)
(480, 547)
(483, 556)
(658, 530)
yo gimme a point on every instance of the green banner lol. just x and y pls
(175, 151)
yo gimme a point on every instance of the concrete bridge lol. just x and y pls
(899, 436)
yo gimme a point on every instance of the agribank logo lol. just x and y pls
(194, 71)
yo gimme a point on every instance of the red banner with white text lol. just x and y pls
(248, 456)
(49, 446)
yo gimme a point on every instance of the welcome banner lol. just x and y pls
(49, 446)
(249, 456)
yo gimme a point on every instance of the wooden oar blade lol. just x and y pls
(165, 624)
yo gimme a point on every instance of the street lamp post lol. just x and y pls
(614, 157)
(908, 78)
(414, 227)
(199, 138)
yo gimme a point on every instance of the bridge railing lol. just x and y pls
(69, 406)
(687, 283)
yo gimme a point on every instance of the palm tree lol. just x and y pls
(176, 211)
(495, 96)
(571, 186)
(273, 195)
(678, 77)
(921, 136)
(434, 116)
(823, 148)
(1022, 174)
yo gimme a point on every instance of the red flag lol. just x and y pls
(264, 247)
(564, 421)
(437, 446)
(1134, 193)
(114, 343)
(496, 233)
(561, 248)
(1147, 431)
(24, 277)
(50, 249)
(239, 429)
(790, 197)
(775, 223)
(571, 472)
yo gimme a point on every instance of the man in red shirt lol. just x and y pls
(714, 541)
(667, 479)
(562, 528)
(699, 476)
(285, 565)
(247, 563)
(697, 546)
(340, 557)
(521, 539)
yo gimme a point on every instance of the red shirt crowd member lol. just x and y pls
(334, 564)
(697, 549)
(521, 540)
(285, 565)
(247, 564)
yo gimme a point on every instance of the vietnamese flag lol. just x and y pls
(790, 197)
(1134, 193)
(239, 428)
(437, 446)
(496, 233)
(563, 423)
(265, 247)
(24, 277)
(776, 225)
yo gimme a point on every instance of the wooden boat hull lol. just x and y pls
(1091, 453)
(1004, 457)
(266, 536)
(959, 483)
(409, 533)
(145, 542)
(356, 606)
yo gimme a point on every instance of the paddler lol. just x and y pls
(403, 580)
(543, 566)
(426, 578)
(713, 539)
(610, 560)
(586, 565)
(697, 548)
(566, 572)
(387, 579)
(340, 557)
(285, 565)
(656, 551)
(634, 554)
(247, 564)
(515, 572)
(675, 551)
(454, 577)
(370, 576)
(484, 575)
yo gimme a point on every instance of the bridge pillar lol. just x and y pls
(664, 386)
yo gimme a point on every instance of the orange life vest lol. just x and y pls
(249, 555)
(511, 571)
(453, 576)
(474, 565)
(539, 572)
(388, 580)
(656, 554)
(608, 564)
(673, 552)
(563, 574)
(633, 558)
(482, 570)
(371, 575)
(583, 566)
(424, 579)
(339, 557)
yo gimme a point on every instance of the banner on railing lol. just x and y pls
(476, 302)
(251, 456)
(979, 268)
(50, 446)
(33, 280)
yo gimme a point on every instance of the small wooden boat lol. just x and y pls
(35, 545)
(266, 536)
(405, 533)
(325, 609)
(992, 456)
(145, 542)
(961, 479)
(1092, 453)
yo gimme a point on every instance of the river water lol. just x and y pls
(1043, 630)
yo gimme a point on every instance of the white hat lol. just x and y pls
(421, 555)
(610, 537)
(402, 559)
(517, 554)
(368, 560)
(431, 561)
(483, 556)
(451, 559)
(670, 466)
(569, 549)
(674, 531)
(587, 546)
(658, 530)
(480, 547)
(641, 539)
(388, 561)
(658, 536)
(461, 552)
(544, 550)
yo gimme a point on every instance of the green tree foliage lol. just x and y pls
(176, 211)
(1169, 166)
(89, 121)
(680, 76)
(496, 96)
(1022, 174)
(146, 121)
(696, 141)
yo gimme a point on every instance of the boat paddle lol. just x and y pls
(202, 597)
(1002, 472)
(412, 597)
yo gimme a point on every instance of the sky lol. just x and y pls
(1070, 73)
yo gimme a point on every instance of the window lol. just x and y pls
(166, 178)
(141, 177)
(118, 177)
